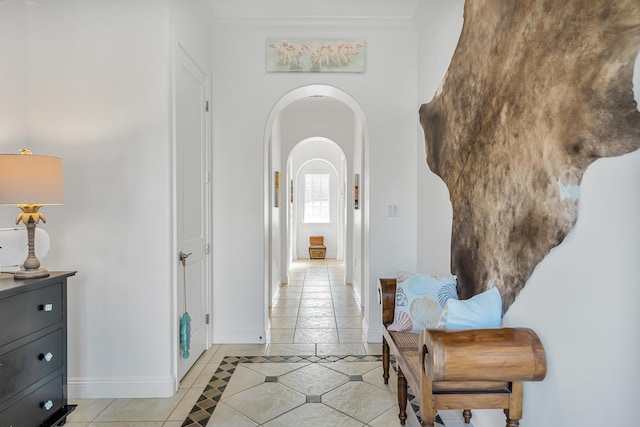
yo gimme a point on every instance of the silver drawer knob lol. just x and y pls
(47, 357)
(45, 307)
(47, 405)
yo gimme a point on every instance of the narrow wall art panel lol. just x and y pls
(356, 191)
(314, 55)
(276, 189)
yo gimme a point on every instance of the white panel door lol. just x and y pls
(191, 204)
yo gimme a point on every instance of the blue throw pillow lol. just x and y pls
(420, 299)
(481, 311)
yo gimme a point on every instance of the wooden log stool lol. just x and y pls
(317, 249)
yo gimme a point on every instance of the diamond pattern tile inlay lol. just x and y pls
(211, 395)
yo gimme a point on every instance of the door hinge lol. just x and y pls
(206, 105)
(207, 177)
(206, 319)
(207, 248)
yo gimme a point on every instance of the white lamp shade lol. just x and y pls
(27, 179)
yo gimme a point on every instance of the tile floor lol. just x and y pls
(314, 316)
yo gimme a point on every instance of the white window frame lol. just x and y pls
(318, 217)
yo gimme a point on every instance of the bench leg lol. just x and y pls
(402, 396)
(514, 412)
(511, 422)
(466, 414)
(427, 407)
(385, 360)
(427, 402)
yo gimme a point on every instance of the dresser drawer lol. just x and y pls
(28, 312)
(34, 409)
(26, 365)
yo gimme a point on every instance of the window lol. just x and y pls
(316, 198)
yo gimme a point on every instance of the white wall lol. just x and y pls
(245, 94)
(111, 129)
(96, 92)
(13, 40)
(439, 24)
(582, 298)
(277, 213)
(307, 119)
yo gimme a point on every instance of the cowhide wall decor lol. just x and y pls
(537, 90)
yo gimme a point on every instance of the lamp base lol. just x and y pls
(31, 274)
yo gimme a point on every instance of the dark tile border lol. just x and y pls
(205, 405)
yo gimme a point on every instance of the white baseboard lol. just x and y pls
(356, 290)
(240, 336)
(373, 334)
(120, 387)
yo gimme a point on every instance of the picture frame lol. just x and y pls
(276, 185)
(291, 191)
(315, 55)
(356, 191)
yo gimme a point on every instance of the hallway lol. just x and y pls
(316, 308)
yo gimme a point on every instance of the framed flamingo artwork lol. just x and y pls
(314, 55)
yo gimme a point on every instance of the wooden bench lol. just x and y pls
(460, 369)
(317, 249)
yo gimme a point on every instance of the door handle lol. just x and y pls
(183, 258)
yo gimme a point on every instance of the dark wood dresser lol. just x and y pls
(33, 351)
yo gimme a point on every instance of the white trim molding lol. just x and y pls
(121, 387)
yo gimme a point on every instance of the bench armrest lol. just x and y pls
(388, 299)
(501, 354)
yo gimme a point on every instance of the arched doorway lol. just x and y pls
(280, 137)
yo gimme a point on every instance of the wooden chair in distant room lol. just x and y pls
(317, 249)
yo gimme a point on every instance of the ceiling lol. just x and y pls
(360, 9)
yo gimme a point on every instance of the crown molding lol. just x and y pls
(316, 22)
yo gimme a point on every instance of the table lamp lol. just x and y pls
(29, 182)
